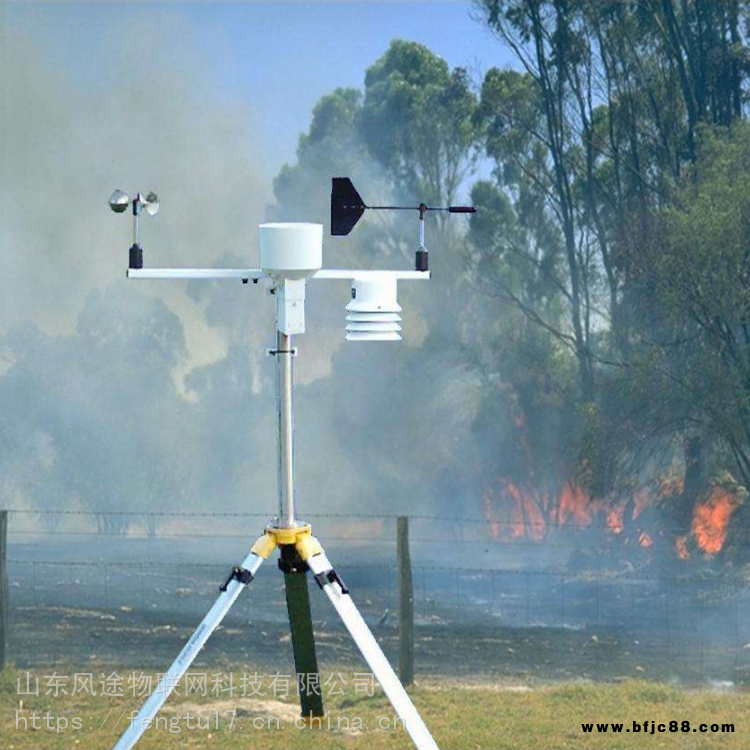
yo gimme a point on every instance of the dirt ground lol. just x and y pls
(46, 636)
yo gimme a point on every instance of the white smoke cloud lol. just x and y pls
(145, 117)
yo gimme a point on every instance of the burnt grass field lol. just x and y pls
(446, 645)
(52, 635)
(134, 604)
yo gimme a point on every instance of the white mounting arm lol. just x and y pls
(255, 274)
(290, 293)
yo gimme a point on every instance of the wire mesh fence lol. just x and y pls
(81, 593)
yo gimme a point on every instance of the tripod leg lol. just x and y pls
(229, 592)
(337, 592)
(303, 638)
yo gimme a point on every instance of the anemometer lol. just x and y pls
(290, 256)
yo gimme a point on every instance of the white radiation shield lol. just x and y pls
(373, 312)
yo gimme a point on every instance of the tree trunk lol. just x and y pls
(693, 484)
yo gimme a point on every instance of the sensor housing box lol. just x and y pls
(291, 251)
(373, 312)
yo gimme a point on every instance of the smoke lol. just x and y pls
(185, 417)
(68, 140)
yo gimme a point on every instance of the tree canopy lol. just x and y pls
(586, 333)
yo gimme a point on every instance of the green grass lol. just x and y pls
(462, 717)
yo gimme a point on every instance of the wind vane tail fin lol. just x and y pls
(347, 206)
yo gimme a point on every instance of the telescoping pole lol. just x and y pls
(285, 417)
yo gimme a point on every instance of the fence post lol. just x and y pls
(405, 603)
(4, 606)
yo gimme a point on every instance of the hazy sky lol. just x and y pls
(202, 103)
(279, 57)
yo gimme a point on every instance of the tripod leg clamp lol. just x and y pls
(307, 546)
(299, 536)
(328, 577)
(237, 574)
(264, 545)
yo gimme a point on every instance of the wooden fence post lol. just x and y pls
(405, 604)
(4, 606)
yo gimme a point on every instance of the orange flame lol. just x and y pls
(671, 487)
(681, 544)
(516, 511)
(575, 505)
(615, 517)
(711, 519)
(513, 513)
(615, 522)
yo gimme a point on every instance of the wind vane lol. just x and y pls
(347, 208)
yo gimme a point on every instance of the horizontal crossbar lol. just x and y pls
(256, 273)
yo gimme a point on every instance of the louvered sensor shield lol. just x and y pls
(373, 313)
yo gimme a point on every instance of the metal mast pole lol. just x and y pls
(285, 420)
(136, 217)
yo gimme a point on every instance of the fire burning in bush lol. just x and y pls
(519, 511)
(711, 519)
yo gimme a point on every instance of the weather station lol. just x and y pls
(291, 255)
